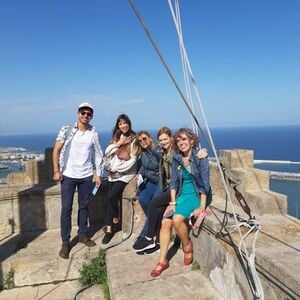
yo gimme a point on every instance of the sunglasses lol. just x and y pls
(86, 113)
(143, 139)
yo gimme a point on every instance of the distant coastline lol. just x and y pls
(276, 149)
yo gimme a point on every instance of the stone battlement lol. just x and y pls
(30, 207)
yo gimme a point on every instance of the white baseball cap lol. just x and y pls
(86, 105)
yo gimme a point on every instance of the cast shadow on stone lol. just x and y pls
(29, 220)
(174, 248)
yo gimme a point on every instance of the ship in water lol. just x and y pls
(4, 167)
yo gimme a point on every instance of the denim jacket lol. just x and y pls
(148, 164)
(199, 173)
(66, 135)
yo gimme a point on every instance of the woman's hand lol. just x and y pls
(124, 140)
(169, 210)
(198, 211)
(202, 153)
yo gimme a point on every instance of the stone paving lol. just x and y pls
(41, 274)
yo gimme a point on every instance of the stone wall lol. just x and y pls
(30, 201)
(277, 244)
(34, 205)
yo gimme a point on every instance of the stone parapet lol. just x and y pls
(277, 258)
(252, 184)
(36, 171)
(32, 208)
(37, 208)
(237, 158)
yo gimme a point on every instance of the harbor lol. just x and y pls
(4, 167)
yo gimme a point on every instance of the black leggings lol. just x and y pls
(157, 207)
(114, 201)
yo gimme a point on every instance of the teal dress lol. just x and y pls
(188, 200)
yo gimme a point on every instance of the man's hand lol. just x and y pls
(57, 176)
(98, 180)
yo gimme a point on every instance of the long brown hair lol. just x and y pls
(116, 130)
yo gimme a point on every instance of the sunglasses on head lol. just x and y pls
(86, 113)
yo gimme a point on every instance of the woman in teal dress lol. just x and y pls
(189, 188)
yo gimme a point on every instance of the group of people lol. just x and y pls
(172, 180)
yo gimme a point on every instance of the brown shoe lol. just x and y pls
(64, 251)
(87, 241)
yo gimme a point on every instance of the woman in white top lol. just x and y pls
(121, 157)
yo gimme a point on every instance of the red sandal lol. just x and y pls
(188, 250)
(159, 268)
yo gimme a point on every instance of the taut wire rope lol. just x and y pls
(256, 289)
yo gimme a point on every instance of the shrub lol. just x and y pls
(95, 272)
(8, 281)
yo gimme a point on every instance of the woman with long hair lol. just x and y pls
(121, 156)
(157, 206)
(148, 173)
(189, 188)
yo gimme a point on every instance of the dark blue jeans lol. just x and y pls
(147, 192)
(68, 186)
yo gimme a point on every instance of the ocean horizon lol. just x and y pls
(268, 143)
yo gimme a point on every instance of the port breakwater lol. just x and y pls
(258, 161)
(284, 176)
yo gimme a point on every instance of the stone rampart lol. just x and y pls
(217, 244)
(33, 205)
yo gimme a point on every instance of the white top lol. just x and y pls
(120, 170)
(79, 159)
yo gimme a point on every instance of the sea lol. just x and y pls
(272, 143)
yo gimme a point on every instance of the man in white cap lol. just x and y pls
(77, 152)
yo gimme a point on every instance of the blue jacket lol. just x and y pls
(148, 164)
(199, 172)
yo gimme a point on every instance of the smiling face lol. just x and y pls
(184, 143)
(144, 141)
(123, 126)
(85, 115)
(165, 141)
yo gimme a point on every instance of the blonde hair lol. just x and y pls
(145, 132)
(136, 148)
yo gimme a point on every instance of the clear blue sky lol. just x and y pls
(54, 54)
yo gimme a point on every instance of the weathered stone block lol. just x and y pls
(6, 219)
(237, 158)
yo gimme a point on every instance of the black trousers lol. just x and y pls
(114, 201)
(157, 207)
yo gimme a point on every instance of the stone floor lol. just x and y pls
(41, 274)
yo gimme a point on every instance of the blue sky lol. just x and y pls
(54, 54)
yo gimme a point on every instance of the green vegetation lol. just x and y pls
(95, 272)
(195, 266)
(8, 281)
